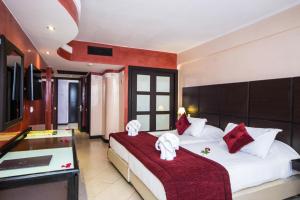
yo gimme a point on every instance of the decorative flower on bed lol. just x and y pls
(206, 151)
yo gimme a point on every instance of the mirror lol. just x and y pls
(11, 87)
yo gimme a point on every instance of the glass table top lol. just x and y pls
(58, 144)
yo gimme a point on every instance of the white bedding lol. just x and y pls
(184, 139)
(244, 170)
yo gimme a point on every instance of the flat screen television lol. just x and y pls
(34, 83)
(11, 83)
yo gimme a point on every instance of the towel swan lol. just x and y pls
(168, 143)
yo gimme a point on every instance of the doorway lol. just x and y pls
(67, 104)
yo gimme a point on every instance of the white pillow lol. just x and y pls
(261, 145)
(196, 127)
(229, 127)
(263, 139)
(211, 133)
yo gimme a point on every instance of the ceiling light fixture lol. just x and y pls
(90, 64)
(51, 28)
(47, 52)
(28, 50)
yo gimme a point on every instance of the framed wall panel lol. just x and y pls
(270, 99)
(296, 137)
(234, 99)
(212, 119)
(224, 120)
(284, 136)
(209, 99)
(296, 100)
(190, 101)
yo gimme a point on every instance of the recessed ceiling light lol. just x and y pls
(47, 52)
(51, 28)
(90, 64)
(28, 50)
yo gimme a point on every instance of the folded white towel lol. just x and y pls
(133, 127)
(168, 143)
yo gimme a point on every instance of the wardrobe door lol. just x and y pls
(152, 97)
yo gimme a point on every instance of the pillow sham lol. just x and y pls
(211, 133)
(263, 139)
(196, 127)
(182, 124)
(237, 138)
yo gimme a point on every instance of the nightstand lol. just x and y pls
(296, 164)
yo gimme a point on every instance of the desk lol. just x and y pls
(58, 180)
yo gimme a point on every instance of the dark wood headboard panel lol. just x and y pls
(271, 103)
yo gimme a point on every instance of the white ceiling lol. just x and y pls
(34, 16)
(162, 25)
(169, 25)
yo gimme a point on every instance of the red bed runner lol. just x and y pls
(189, 176)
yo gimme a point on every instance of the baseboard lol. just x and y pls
(104, 140)
(95, 136)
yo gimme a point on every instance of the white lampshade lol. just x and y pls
(181, 110)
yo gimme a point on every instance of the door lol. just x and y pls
(55, 98)
(73, 103)
(153, 97)
(80, 105)
(83, 105)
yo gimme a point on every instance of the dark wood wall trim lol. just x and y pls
(271, 103)
(48, 100)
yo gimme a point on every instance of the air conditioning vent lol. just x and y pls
(100, 51)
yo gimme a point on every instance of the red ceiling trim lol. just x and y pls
(121, 56)
(70, 6)
(64, 54)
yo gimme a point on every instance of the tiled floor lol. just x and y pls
(99, 179)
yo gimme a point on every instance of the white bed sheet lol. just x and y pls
(244, 170)
(184, 139)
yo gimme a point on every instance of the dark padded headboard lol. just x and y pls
(267, 104)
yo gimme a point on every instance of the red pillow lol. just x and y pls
(237, 138)
(182, 124)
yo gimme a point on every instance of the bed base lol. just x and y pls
(275, 190)
(119, 163)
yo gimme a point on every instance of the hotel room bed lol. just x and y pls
(256, 104)
(246, 181)
(184, 140)
(124, 154)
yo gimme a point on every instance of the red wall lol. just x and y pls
(121, 56)
(13, 32)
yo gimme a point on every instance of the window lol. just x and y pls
(152, 97)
